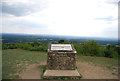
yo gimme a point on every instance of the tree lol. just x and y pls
(63, 42)
(35, 43)
(111, 51)
(91, 47)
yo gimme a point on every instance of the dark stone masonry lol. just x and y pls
(61, 57)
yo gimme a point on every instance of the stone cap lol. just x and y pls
(61, 47)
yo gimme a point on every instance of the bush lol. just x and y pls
(90, 48)
(34, 46)
(4, 46)
(38, 48)
(111, 51)
(63, 42)
(87, 48)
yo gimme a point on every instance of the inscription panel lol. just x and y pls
(61, 47)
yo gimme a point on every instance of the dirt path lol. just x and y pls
(31, 72)
(89, 71)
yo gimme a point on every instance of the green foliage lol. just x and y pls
(63, 42)
(43, 67)
(8, 46)
(39, 48)
(26, 46)
(87, 48)
(33, 46)
(35, 43)
(111, 51)
(92, 48)
(4, 46)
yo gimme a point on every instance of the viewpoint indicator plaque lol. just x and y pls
(61, 47)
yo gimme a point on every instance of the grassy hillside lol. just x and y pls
(99, 61)
(15, 61)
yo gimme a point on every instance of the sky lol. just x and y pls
(91, 18)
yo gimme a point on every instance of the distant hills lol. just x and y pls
(11, 38)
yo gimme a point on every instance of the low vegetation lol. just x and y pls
(86, 48)
(16, 56)
(16, 60)
(31, 46)
(92, 48)
(99, 61)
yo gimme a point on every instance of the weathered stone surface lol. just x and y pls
(55, 73)
(61, 60)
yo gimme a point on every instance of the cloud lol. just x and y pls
(22, 8)
(21, 22)
(112, 32)
(115, 2)
(62, 17)
(22, 26)
(25, 30)
(109, 18)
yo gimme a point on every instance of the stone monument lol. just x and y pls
(61, 61)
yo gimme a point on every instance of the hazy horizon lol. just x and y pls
(60, 35)
(86, 18)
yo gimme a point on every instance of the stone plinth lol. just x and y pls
(61, 61)
(61, 57)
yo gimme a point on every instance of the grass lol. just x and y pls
(99, 61)
(0, 60)
(15, 61)
(43, 67)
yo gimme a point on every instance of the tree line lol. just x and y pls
(87, 48)
(93, 48)
(31, 46)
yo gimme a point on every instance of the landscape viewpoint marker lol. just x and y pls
(61, 61)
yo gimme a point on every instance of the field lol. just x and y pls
(18, 63)
(16, 60)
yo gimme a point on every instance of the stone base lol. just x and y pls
(61, 73)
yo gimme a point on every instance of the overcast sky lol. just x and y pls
(96, 18)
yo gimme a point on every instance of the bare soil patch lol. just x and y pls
(89, 71)
(32, 71)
